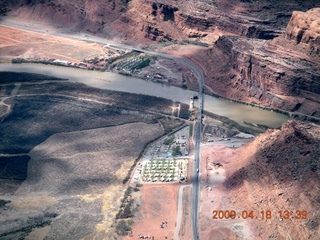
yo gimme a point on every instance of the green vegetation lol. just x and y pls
(190, 129)
(132, 62)
(125, 210)
(126, 1)
(12, 77)
(168, 140)
(214, 3)
(123, 227)
(234, 124)
(161, 170)
(265, 127)
(144, 63)
(175, 151)
(3, 202)
(193, 42)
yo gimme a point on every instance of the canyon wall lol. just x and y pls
(257, 71)
(304, 29)
(159, 20)
(260, 53)
(279, 170)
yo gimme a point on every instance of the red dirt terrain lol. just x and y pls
(43, 46)
(272, 58)
(158, 204)
(278, 171)
(264, 52)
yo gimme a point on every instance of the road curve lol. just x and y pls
(198, 73)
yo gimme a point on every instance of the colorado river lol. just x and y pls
(107, 80)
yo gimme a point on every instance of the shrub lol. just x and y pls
(122, 227)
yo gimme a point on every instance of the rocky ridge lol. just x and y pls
(304, 29)
(279, 171)
(261, 72)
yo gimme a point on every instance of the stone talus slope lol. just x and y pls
(78, 15)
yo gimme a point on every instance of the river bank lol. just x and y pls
(207, 91)
(84, 52)
(107, 80)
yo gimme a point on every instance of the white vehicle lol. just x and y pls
(197, 170)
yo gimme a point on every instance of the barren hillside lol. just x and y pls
(278, 171)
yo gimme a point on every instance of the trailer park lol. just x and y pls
(165, 161)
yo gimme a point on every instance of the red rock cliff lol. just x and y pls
(257, 71)
(304, 28)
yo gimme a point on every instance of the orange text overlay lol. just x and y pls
(264, 214)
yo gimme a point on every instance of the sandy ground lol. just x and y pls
(266, 174)
(30, 45)
(170, 72)
(214, 196)
(158, 204)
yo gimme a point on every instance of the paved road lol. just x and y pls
(197, 72)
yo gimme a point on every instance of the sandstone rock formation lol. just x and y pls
(257, 64)
(260, 71)
(135, 20)
(279, 171)
(304, 28)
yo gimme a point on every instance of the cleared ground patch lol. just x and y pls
(158, 205)
(30, 45)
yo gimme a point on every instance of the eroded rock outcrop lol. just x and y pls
(280, 168)
(281, 73)
(258, 71)
(304, 28)
(159, 20)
